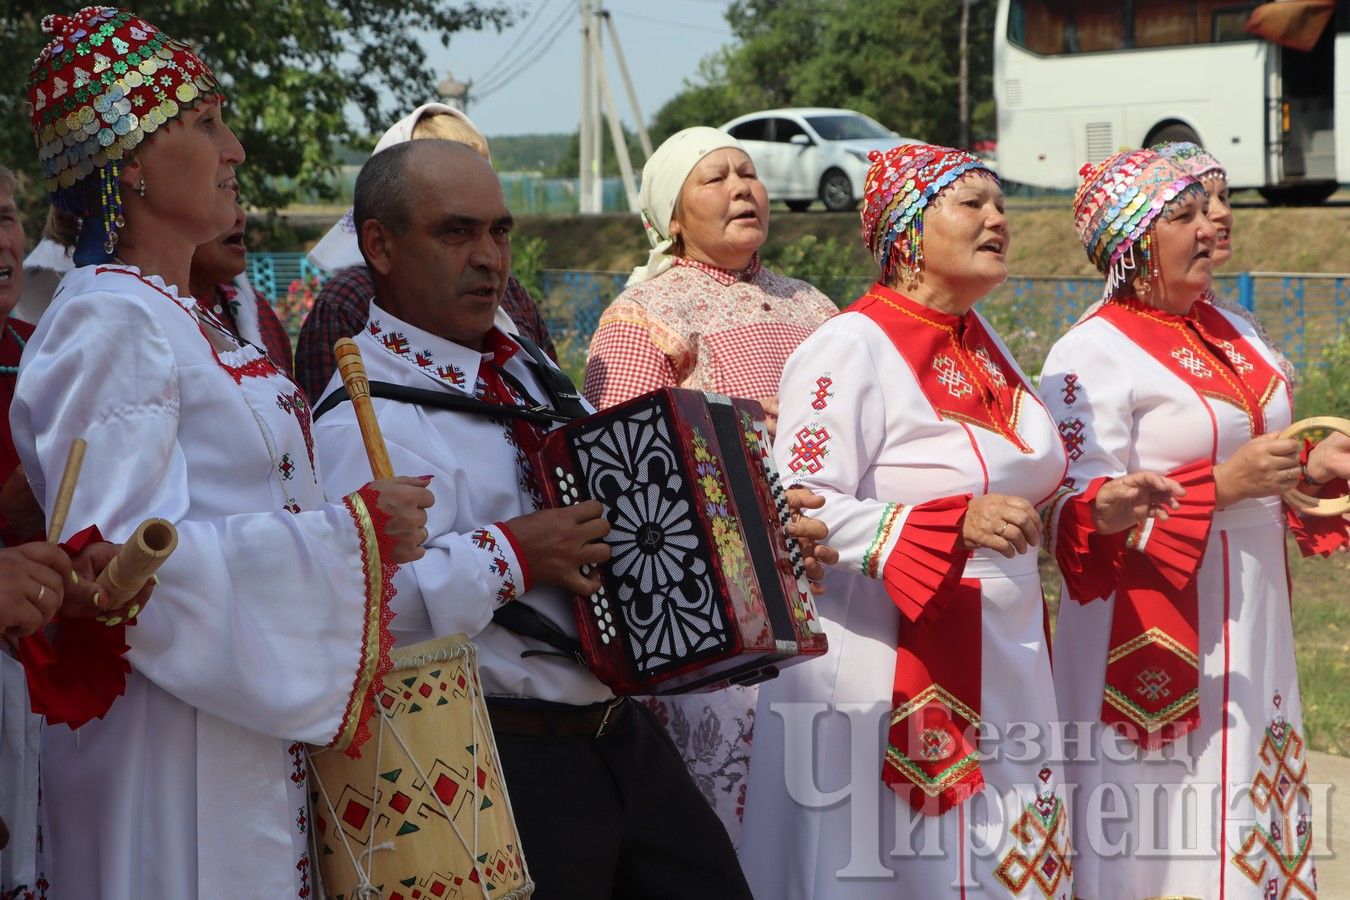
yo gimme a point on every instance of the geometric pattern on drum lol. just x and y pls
(407, 802)
(1042, 855)
(666, 594)
(1277, 852)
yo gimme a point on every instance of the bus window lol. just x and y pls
(1163, 23)
(1052, 27)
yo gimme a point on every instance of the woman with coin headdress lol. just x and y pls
(269, 626)
(915, 759)
(1174, 646)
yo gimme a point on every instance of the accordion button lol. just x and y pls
(559, 472)
(598, 610)
(604, 636)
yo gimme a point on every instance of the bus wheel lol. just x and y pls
(1172, 131)
(836, 192)
(1307, 193)
(798, 205)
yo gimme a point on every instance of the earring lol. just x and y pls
(140, 189)
(110, 194)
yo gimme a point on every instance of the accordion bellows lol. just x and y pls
(704, 588)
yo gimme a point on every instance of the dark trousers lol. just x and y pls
(616, 816)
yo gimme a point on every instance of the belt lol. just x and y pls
(555, 720)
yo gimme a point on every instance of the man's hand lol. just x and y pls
(556, 543)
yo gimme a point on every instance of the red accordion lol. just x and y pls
(704, 587)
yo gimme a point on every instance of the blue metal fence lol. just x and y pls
(1301, 312)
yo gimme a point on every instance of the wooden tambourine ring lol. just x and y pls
(1317, 506)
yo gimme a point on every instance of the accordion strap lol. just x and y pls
(385, 390)
(526, 621)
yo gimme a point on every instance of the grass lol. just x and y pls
(1321, 643)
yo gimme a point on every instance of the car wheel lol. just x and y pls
(836, 192)
(798, 205)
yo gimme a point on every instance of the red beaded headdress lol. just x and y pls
(1116, 204)
(106, 80)
(901, 182)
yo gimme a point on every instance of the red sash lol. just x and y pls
(932, 753)
(1153, 668)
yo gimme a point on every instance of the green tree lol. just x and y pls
(894, 60)
(292, 69)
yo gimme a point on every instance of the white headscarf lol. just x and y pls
(662, 178)
(338, 248)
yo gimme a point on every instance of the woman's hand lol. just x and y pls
(770, 405)
(1265, 466)
(405, 500)
(809, 533)
(33, 579)
(1330, 459)
(83, 597)
(1132, 499)
(1006, 524)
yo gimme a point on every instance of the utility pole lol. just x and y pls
(585, 191)
(964, 104)
(597, 105)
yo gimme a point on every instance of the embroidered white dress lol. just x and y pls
(1223, 812)
(265, 629)
(471, 566)
(879, 436)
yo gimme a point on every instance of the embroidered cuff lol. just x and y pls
(79, 674)
(1318, 535)
(526, 577)
(1088, 561)
(503, 565)
(1177, 545)
(376, 640)
(928, 557)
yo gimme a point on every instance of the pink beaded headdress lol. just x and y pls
(901, 182)
(105, 81)
(1193, 159)
(1115, 207)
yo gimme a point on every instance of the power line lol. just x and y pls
(541, 45)
(671, 22)
(520, 36)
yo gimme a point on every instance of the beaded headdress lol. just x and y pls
(901, 182)
(1192, 159)
(1115, 207)
(105, 81)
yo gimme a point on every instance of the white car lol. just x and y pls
(814, 153)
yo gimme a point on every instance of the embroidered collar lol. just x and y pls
(958, 365)
(1204, 350)
(443, 361)
(725, 277)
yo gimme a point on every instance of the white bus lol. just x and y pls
(1077, 80)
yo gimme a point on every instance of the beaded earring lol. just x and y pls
(1148, 265)
(110, 193)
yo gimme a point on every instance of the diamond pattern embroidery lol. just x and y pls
(1236, 357)
(809, 450)
(1186, 357)
(995, 373)
(951, 377)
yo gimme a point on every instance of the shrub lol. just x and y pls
(1322, 388)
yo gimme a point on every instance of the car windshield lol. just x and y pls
(847, 128)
